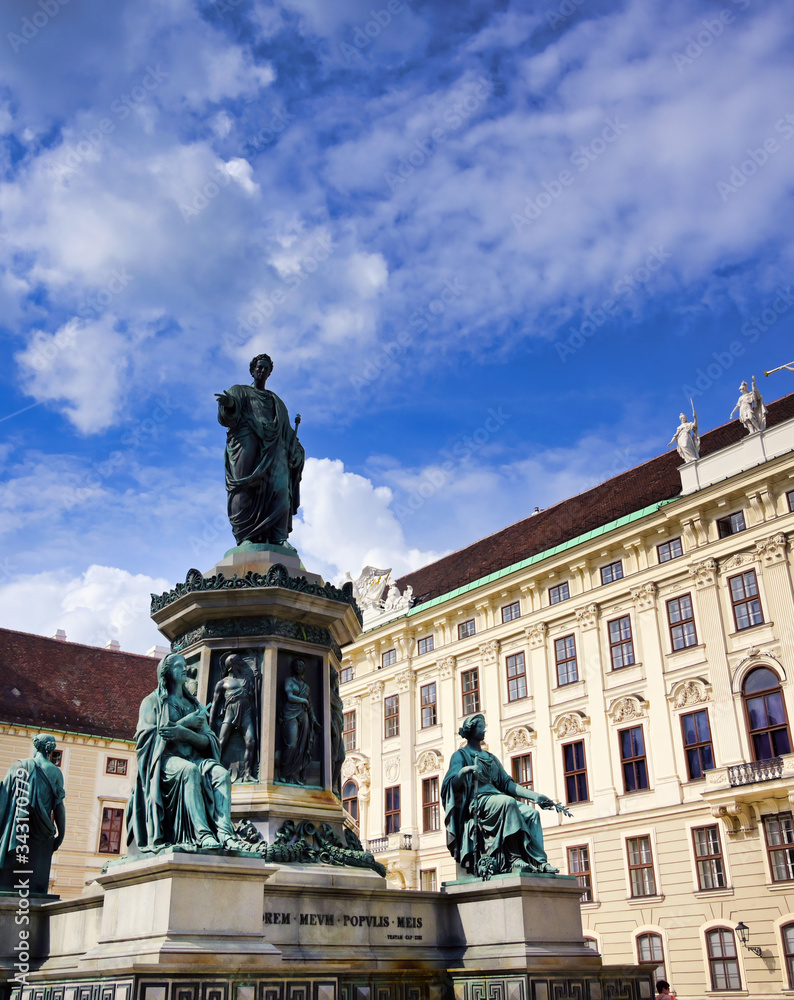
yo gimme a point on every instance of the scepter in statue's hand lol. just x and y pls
(297, 422)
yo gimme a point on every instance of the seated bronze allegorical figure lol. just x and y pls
(491, 827)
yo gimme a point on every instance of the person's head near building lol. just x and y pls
(663, 988)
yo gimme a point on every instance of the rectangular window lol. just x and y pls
(511, 611)
(349, 729)
(425, 645)
(575, 770)
(388, 658)
(641, 874)
(522, 770)
(621, 645)
(632, 757)
(470, 686)
(116, 765)
(56, 758)
(393, 810)
(565, 655)
(779, 831)
(614, 571)
(670, 550)
(431, 811)
(428, 880)
(110, 833)
(744, 598)
(579, 865)
(697, 743)
(708, 856)
(558, 593)
(790, 499)
(681, 621)
(345, 675)
(429, 708)
(391, 716)
(516, 677)
(465, 631)
(731, 524)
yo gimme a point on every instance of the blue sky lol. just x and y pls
(492, 248)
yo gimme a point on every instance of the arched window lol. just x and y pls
(350, 798)
(767, 722)
(788, 951)
(650, 949)
(723, 963)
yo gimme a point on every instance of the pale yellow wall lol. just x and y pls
(88, 789)
(538, 723)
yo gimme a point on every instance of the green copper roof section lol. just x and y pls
(540, 556)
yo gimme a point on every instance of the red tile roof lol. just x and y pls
(51, 684)
(640, 487)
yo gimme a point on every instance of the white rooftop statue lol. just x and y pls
(686, 438)
(368, 590)
(752, 412)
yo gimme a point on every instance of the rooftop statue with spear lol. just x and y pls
(687, 438)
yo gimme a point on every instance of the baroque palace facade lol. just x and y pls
(632, 651)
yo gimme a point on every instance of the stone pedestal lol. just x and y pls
(258, 601)
(204, 926)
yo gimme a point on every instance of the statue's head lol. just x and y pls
(232, 662)
(298, 667)
(44, 743)
(743, 387)
(261, 361)
(472, 724)
(682, 417)
(172, 668)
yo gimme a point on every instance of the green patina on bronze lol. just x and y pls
(308, 843)
(491, 828)
(255, 626)
(264, 459)
(276, 576)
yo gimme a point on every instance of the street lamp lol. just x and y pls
(744, 936)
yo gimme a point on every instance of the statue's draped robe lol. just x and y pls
(483, 818)
(297, 718)
(264, 465)
(29, 813)
(173, 799)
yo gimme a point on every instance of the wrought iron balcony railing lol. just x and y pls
(760, 770)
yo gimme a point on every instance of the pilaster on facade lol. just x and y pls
(762, 504)
(406, 681)
(580, 572)
(638, 556)
(704, 573)
(695, 530)
(489, 652)
(531, 594)
(376, 691)
(446, 667)
(587, 616)
(405, 643)
(371, 654)
(443, 628)
(484, 611)
(536, 634)
(644, 597)
(772, 550)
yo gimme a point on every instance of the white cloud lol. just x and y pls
(346, 523)
(82, 365)
(101, 604)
